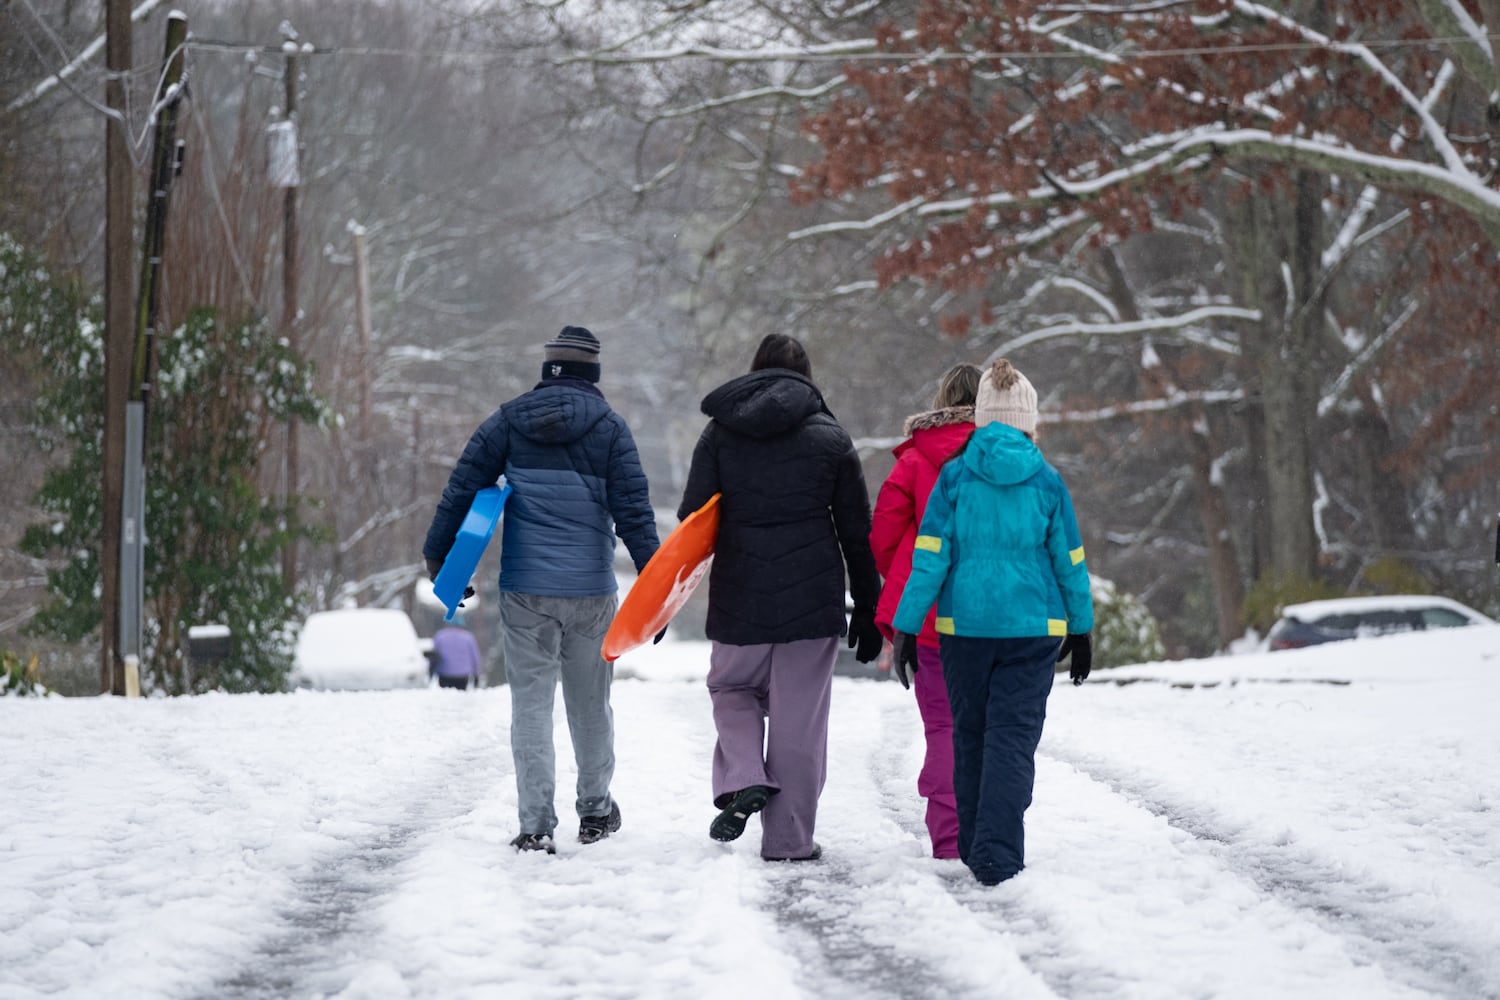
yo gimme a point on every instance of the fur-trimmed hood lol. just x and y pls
(937, 418)
(937, 434)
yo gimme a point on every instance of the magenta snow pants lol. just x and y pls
(935, 783)
(771, 706)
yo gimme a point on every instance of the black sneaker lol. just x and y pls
(730, 823)
(534, 842)
(592, 829)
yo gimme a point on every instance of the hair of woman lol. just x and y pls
(777, 350)
(958, 388)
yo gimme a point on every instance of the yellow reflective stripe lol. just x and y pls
(1076, 555)
(945, 626)
(1057, 626)
(930, 543)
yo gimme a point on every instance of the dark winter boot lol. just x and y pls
(992, 876)
(730, 823)
(596, 828)
(534, 842)
(815, 854)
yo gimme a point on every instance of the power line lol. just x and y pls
(230, 242)
(797, 55)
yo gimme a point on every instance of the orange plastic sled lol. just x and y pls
(666, 582)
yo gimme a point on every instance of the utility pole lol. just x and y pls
(163, 169)
(289, 294)
(362, 318)
(118, 247)
(133, 533)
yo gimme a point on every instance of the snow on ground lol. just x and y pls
(1316, 823)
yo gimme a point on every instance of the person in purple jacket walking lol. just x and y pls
(458, 660)
(794, 512)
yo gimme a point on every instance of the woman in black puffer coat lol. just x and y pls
(794, 513)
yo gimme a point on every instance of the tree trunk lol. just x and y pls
(1288, 469)
(1252, 490)
(1294, 548)
(1224, 565)
(1255, 256)
(1279, 276)
(1383, 493)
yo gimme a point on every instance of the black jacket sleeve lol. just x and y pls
(703, 474)
(851, 521)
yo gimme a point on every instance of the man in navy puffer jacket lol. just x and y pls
(576, 481)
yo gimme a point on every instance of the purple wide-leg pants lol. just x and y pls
(935, 782)
(771, 706)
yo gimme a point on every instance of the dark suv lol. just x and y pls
(1318, 622)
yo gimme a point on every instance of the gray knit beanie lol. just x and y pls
(575, 352)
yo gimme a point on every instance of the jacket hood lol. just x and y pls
(558, 411)
(764, 404)
(937, 434)
(945, 417)
(1000, 454)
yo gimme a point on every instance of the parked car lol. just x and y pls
(359, 649)
(845, 665)
(1351, 617)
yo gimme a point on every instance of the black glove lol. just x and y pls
(864, 638)
(660, 635)
(904, 658)
(434, 567)
(1081, 647)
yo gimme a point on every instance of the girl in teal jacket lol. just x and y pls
(1000, 555)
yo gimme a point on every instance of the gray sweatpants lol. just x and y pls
(547, 638)
(771, 709)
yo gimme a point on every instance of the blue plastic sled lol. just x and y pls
(473, 537)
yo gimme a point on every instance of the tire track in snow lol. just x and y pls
(1379, 923)
(333, 902)
(1042, 947)
(829, 911)
(817, 903)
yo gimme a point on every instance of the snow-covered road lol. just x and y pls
(1310, 824)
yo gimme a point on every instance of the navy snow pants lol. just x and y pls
(998, 691)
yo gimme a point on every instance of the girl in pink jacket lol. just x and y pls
(931, 439)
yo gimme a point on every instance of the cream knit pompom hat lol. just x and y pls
(1006, 396)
